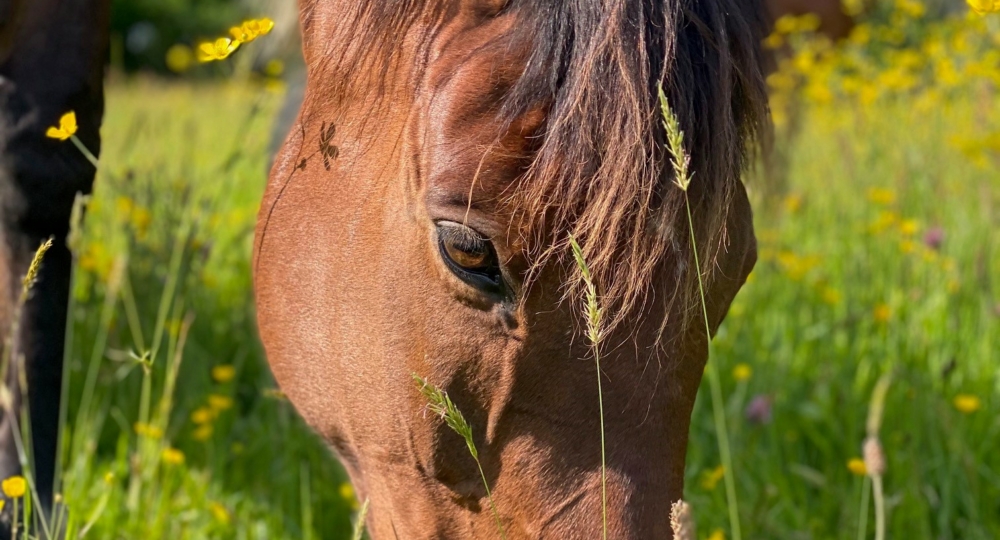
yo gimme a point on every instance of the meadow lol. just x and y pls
(879, 258)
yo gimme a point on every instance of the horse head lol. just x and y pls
(417, 220)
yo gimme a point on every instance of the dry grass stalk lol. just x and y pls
(682, 521)
(874, 456)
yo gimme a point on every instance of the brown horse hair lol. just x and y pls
(600, 171)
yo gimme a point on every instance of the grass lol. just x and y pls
(846, 290)
(177, 430)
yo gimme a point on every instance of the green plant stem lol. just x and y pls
(863, 513)
(359, 525)
(718, 411)
(489, 497)
(604, 468)
(594, 334)
(879, 507)
(83, 150)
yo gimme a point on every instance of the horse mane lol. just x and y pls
(600, 172)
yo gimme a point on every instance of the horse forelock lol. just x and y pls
(600, 171)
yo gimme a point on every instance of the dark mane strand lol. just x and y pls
(600, 171)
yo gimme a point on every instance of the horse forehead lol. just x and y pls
(466, 135)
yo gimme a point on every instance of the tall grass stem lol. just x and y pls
(594, 335)
(680, 163)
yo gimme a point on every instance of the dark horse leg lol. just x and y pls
(52, 57)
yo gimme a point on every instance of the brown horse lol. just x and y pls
(416, 221)
(52, 55)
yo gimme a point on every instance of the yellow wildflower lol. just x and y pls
(774, 41)
(219, 403)
(219, 512)
(717, 534)
(148, 430)
(141, 218)
(831, 296)
(912, 8)
(203, 433)
(251, 30)
(172, 456)
(882, 313)
(709, 479)
(967, 403)
(881, 196)
(219, 49)
(14, 487)
(346, 491)
(857, 466)
(983, 7)
(202, 415)
(742, 372)
(109, 478)
(179, 58)
(67, 127)
(223, 373)
(793, 202)
(909, 227)
(123, 207)
(274, 68)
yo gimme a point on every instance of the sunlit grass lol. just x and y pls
(176, 431)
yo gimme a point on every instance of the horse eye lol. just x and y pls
(469, 256)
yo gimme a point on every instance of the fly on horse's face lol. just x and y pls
(393, 241)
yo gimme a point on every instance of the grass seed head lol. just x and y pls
(682, 521)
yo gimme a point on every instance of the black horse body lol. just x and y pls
(52, 58)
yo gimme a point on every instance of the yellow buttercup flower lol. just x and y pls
(223, 373)
(967, 403)
(742, 372)
(709, 479)
(148, 430)
(831, 296)
(857, 466)
(219, 512)
(67, 127)
(219, 49)
(882, 313)
(219, 403)
(172, 456)
(179, 58)
(251, 30)
(202, 415)
(203, 433)
(717, 535)
(881, 196)
(14, 487)
(983, 7)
